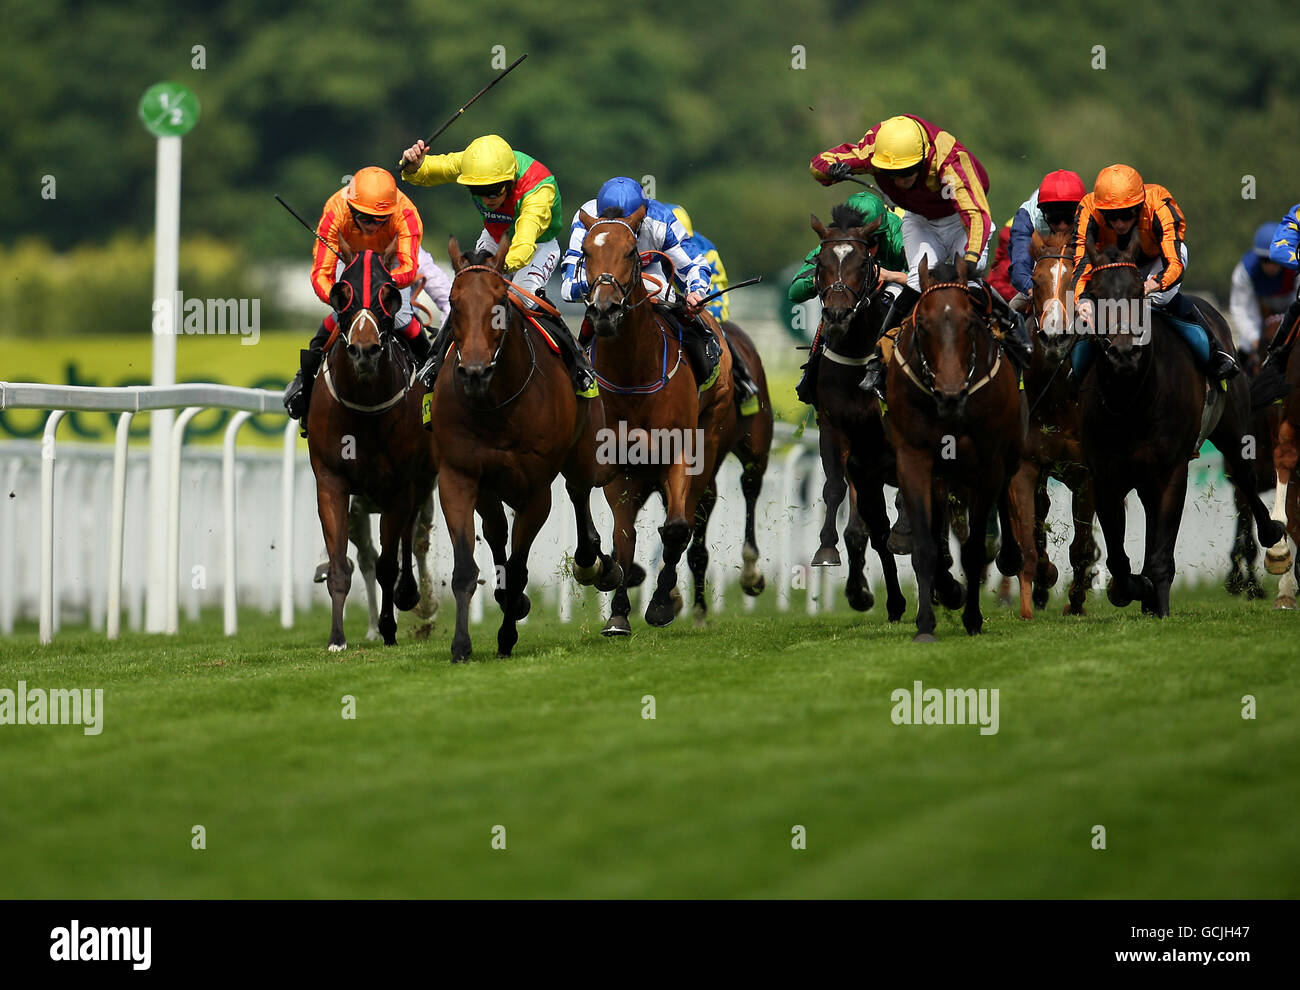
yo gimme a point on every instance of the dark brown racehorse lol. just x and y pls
(956, 421)
(651, 396)
(1281, 556)
(1141, 405)
(505, 423)
(852, 317)
(1053, 447)
(365, 438)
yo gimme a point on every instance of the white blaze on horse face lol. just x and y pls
(842, 251)
(1055, 319)
(599, 239)
(366, 315)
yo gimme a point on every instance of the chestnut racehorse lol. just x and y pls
(364, 437)
(650, 391)
(956, 421)
(505, 423)
(1053, 447)
(1141, 406)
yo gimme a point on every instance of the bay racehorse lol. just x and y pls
(364, 438)
(1053, 444)
(853, 315)
(1142, 404)
(956, 420)
(1281, 557)
(505, 422)
(653, 399)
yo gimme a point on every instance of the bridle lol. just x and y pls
(1038, 323)
(925, 380)
(859, 297)
(496, 355)
(607, 278)
(387, 340)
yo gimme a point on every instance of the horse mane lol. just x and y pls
(612, 213)
(1055, 240)
(944, 271)
(478, 257)
(846, 217)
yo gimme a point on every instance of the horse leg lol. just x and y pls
(871, 510)
(1124, 586)
(675, 534)
(947, 590)
(1164, 508)
(624, 503)
(1227, 437)
(914, 482)
(1277, 559)
(428, 606)
(457, 495)
(1287, 587)
(974, 558)
(529, 520)
(856, 589)
(1018, 510)
(752, 581)
(1235, 582)
(359, 533)
(833, 491)
(394, 526)
(1083, 547)
(590, 566)
(407, 593)
(332, 507)
(1045, 575)
(697, 556)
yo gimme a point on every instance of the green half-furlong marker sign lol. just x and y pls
(169, 109)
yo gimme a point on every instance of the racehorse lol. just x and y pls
(652, 396)
(1142, 406)
(1281, 557)
(364, 438)
(956, 421)
(1052, 443)
(852, 316)
(505, 422)
(833, 449)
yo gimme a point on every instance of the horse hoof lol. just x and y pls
(974, 627)
(1284, 603)
(1072, 609)
(1040, 598)
(1254, 591)
(1009, 560)
(459, 654)
(660, 612)
(1052, 575)
(925, 638)
(1278, 559)
(322, 572)
(895, 608)
(617, 626)
(406, 597)
(525, 605)
(953, 597)
(338, 647)
(860, 597)
(754, 588)
(1273, 535)
(586, 575)
(826, 557)
(611, 576)
(635, 576)
(900, 541)
(1116, 595)
(372, 634)
(678, 602)
(701, 615)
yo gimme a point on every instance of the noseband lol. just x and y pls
(925, 381)
(839, 285)
(607, 278)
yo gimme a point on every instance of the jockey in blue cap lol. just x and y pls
(662, 231)
(1261, 289)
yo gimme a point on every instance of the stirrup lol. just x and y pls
(873, 379)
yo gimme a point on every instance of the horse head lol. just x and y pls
(613, 263)
(1053, 264)
(847, 271)
(481, 313)
(367, 301)
(947, 329)
(1122, 319)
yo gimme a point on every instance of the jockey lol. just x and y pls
(369, 213)
(1283, 250)
(890, 256)
(1261, 288)
(434, 301)
(1121, 207)
(1050, 210)
(660, 231)
(518, 197)
(942, 187)
(696, 245)
(1000, 273)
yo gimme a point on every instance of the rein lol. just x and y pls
(496, 355)
(665, 375)
(839, 284)
(925, 381)
(386, 339)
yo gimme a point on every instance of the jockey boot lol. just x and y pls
(297, 394)
(582, 374)
(873, 377)
(1279, 348)
(428, 372)
(419, 345)
(743, 383)
(901, 304)
(806, 390)
(702, 348)
(1217, 364)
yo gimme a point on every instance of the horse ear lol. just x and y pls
(1090, 249)
(1035, 246)
(962, 269)
(923, 271)
(345, 252)
(634, 221)
(390, 254)
(587, 219)
(818, 227)
(340, 296)
(1130, 253)
(866, 232)
(390, 299)
(499, 259)
(453, 252)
